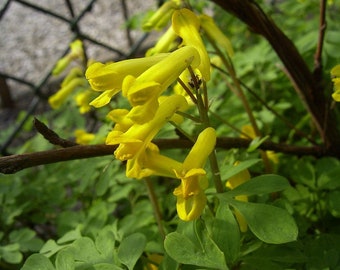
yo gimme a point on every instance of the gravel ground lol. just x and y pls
(31, 42)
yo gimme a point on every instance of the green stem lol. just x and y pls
(155, 206)
(187, 90)
(203, 111)
(231, 70)
(216, 172)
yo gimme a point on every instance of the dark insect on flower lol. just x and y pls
(192, 82)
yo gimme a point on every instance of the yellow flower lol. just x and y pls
(151, 162)
(273, 157)
(162, 16)
(154, 261)
(164, 44)
(75, 72)
(191, 199)
(186, 24)
(60, 97)
(215, 34)
(83, 137)
(76, 52)
(335, 73)
(82, 100)
(119, 116)
(138, 136)
(110, 76)
(233, 182)
(104, 98)
(143, 91)
(248, 132)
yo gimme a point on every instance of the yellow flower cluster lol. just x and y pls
(75, 83)
(143, 82)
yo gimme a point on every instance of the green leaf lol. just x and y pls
(65, 261)
(303, 172)
(184, 251)
(84, 251)
(105, 242)
(330, 179)
(225, 233)
(38, 262)
(11, 253)
(168, 263)
(27, 241)
(229, 171)
(70, 236)
(50, 248)
(334, 203)
(105, 180)
(131, 248)
(21, 235)
(270, 224)
(263, 184)
(106, 266)
(130, 223)
(255, 143)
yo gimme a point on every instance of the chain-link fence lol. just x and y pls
(35, 34)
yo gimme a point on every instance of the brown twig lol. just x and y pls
(14, 163)
(50, 135)
(318, 54)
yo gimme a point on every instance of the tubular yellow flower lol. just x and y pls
(146, 88)
(110, 76)
(151, 162)
(164, 44)
(215, 34)
(74, 73)
(335, 73)
(154, 260)
(83, 99)
(138, 136)
(248, 132)
(186, 24)
(162, 16)
(190, 195)
(119, 116)
(83, 137)
(233, 182)
(103, 99)
(76, 52)
(59, 98)
(61, 65)
(144, 113)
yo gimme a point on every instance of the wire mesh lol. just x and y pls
(35, 34)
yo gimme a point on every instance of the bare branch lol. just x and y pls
(318, 54)
(15, 163)
(50, 135)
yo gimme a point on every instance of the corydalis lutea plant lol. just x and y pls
(143, 82)
(212, 241)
